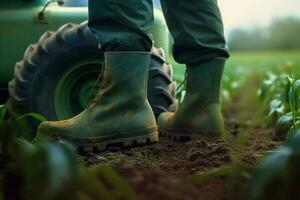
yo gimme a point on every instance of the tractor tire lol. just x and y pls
(56, 76)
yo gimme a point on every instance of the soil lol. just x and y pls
(154, 171)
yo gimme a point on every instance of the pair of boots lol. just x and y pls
(121, 113)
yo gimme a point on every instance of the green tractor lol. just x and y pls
(57, 75)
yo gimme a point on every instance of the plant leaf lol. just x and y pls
(284, 123)
(297, 94)
(293, 131)
(276, 110)
(35, 116)
(263, 181)
(2, 112)
(291, 80)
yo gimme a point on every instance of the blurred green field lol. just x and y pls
(259, 62)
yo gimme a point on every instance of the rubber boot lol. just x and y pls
(120, 113)
(200, 112)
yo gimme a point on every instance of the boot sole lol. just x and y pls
(85, 145)
(187, 135)
(119, 144)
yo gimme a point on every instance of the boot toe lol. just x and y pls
(49, 130)
(163, 121)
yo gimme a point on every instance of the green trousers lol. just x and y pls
(195, 25)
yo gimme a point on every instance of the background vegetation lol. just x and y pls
(281, 34)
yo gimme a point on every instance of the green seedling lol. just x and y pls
(12, 128)
(277, 177)
(294, 94)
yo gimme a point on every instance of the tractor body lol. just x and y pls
(21, 26)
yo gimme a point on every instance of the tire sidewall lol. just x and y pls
(51, 70)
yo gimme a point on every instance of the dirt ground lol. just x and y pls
(154, 171)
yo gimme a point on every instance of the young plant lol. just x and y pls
(49, 171)
(12, 128)
(277, 177)
(280, 95)
(45, 170)
(274, 93)
(294, 100)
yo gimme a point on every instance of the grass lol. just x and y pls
(243, 66)
(259, 62)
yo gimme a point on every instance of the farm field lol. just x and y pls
(256, 62)
(212, 169)
(261, 112)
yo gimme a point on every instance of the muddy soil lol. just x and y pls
(180, 158)
(154, 171)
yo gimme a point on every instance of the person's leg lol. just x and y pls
(197, 29)
(122, 25)
(120, 113)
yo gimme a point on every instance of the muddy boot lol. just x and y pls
(200, 112)
(120, 113)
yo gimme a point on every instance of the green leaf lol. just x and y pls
(291, 80)
(225, 96)
(284, 123)
(27, 124)
(2, 112)
(263, 91)
(297, 93)
(297, 84)
(35, 116)
(263, 183)
(293, 130)
(277, 109)
(267, 85)
(294, 95)
(7, 137)
(294, 142)
(46, 169)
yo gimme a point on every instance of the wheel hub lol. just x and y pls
(76, 88)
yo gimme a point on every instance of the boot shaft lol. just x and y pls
(204, 80)
(200, 112)
(125, 73)
(120, 112)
